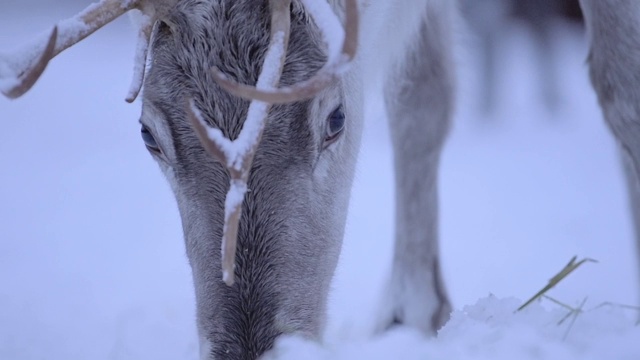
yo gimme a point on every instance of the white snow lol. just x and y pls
(258, 110)
(92, 260)
(237, 189)
(491, 329)
(232, 204)
(70, 30)
(14, 63)
(249, 136)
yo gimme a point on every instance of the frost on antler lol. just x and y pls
(237, 155)
(341, 44)
(20, 69)
(332, 31)
(14, 82)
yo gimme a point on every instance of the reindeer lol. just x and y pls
(254, 110)
(613, 28)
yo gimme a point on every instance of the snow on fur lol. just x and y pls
(235, 151)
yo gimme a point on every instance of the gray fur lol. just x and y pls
(614, 66)
(293, 216)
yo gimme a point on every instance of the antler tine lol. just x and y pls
(238, 155)
(22, 83)
(336, 65)
(19, 71)
(140, 61)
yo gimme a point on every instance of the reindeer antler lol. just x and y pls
(238, 155)
(19, 71)
(342, 46)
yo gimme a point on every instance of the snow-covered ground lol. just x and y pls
(490, 330)
(92, 262)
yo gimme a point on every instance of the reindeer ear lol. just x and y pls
(165, 27)
(298, 11)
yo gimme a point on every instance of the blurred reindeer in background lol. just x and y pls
(489, 21)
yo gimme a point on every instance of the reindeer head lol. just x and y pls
(268, 166)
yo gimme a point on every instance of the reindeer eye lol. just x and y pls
(150, 141)
(335, 124)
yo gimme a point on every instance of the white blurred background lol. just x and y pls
(92, 262)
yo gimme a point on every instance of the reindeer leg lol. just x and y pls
(614, 67)
(542, 15)
(633, 188)
(419, 99)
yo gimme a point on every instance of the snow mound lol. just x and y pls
(491, 329)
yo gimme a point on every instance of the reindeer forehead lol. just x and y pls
(232, 35)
